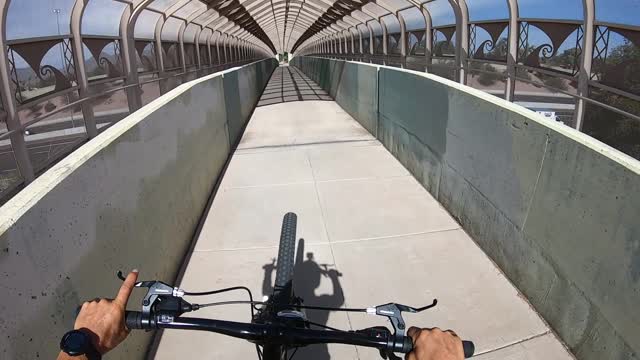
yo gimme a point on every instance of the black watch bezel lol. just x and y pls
(77, 343)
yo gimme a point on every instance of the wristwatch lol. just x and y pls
(77, 343)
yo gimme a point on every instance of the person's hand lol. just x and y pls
(103, 319)
(434, 344)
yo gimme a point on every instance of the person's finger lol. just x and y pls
(411, 356)
(452, 333)
(126, 288)
(413, 333)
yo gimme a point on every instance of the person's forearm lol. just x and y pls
(64, 356)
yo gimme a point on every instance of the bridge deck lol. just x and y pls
(360, 213)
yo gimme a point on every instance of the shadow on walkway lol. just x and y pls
(306, 279)
(289, 84)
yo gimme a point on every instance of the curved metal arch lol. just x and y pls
(238, 14)
(266, 15)
(461, 12)
(270, 18)
(10, 106)
(588, 38)
(79, 60)
(337, 10)
(185, 23)
(314, 10)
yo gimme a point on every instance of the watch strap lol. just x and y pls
(87, 349)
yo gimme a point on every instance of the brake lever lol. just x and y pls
(156, 289)
(393, 312)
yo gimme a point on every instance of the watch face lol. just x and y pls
(75, 342)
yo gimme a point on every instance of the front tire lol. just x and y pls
(283, 289)
(286, 251)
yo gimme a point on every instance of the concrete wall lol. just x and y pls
(130, 198)
(557, 210)
(354, 86)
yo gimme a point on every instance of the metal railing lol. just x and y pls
(584, 73)
(60, 91)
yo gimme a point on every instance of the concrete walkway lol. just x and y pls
(360, 213)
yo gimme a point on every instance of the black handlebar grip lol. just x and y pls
(133, 320)
(469, 348)
(407, 346)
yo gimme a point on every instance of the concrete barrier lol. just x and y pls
(353, 86)
(242, 91)
(555, 209)
(130, 198)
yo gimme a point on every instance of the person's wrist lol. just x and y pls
(95, 341)
(91, 350)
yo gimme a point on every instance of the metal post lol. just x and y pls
(196, 40)
(385, 37)
(403, 39)
(209, 58)
(237, 41)
(512, 56)
(183, 58)
(353, 42)
(81, 73)
(159, 51)
(218, 47)
(370, 38)
(334, 43)
(346, 42)
(10, 106)
(127, 48)
(462, 38)
(587, 61)
(225, 45)
(232, 48)
(428, 37)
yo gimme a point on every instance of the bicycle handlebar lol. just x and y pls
(275, 334)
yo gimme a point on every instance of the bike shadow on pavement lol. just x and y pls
(306, 280)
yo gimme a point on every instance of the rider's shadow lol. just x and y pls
(306, 280)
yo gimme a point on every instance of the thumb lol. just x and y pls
(127, 288)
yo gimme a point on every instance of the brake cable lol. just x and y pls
(229, 303)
